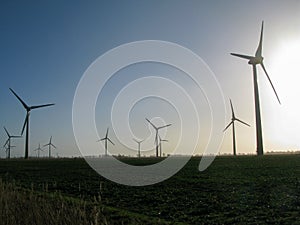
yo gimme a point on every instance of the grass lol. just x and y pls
(241, 190)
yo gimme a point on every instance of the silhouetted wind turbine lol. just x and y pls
(6, 150)
(233, 119)
(39, 150)
(50, 145)
(106, 138)
(160, 145)
(26, 122)
(139, 146)
(8, 142)
(156, 134)
(254, 60)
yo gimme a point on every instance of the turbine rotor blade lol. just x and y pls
(164, 126)
(23, 103)
(6, 142)
(232, 111)
(151, 123)
(25, 122)
(106, 133)
(263, 66)
(242, 122)
(53, 145)
(6, 132)
(40, 106)
(110, 141)
(259, 48)
(228, 126)
(242, 56)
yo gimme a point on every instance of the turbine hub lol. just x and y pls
(256, 60)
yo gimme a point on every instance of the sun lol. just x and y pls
(283, 121)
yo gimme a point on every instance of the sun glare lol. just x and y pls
(283, 123)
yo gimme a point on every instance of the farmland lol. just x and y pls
(240, 190)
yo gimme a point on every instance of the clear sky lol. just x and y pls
(46, 46)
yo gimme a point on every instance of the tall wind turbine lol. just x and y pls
(139, 146)
(106, 138)
(39, 149)
(26, 122)
(160, 144)
(254, 60)
(8, 142)
(233, 119)
(50, 145)
(156, 134)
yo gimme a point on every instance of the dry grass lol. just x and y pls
(19, 206)
(30, 207)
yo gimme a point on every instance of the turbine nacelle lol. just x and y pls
(256, 60)
(253, 60)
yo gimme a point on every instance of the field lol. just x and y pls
(241, 190)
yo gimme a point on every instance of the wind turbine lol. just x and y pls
(6, 149)
(254, 60)
(139, 146)
(8, 142)
(26, 122)
(156, 134)
(50, 145)
(39, 150)
(160, 145)
(233, 119)
(106, 138)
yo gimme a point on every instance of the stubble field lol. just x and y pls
(240, 190)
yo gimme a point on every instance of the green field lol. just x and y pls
(240, 190)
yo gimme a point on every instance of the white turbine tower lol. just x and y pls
(106, 138)
(156, 134)
(254, 60)
(139, 146)
(50, 145)
(233, 119)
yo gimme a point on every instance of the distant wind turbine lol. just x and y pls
(156, 134)
(8, 142)
(6, 149)
(139, 146)
(233, 119)
(50, 145)
(106, 138)
(26, 122)
(254, 60)
(39, 149)
(160, 145)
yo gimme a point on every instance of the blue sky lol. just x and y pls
(46, 46)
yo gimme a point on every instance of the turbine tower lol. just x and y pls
(254, 60)
(50, 145)
(26, 122)
(8, 142)
(139, 146)
(106, 138)
(160, 145)
(38, 149)
(233, 119)
(156, 134)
